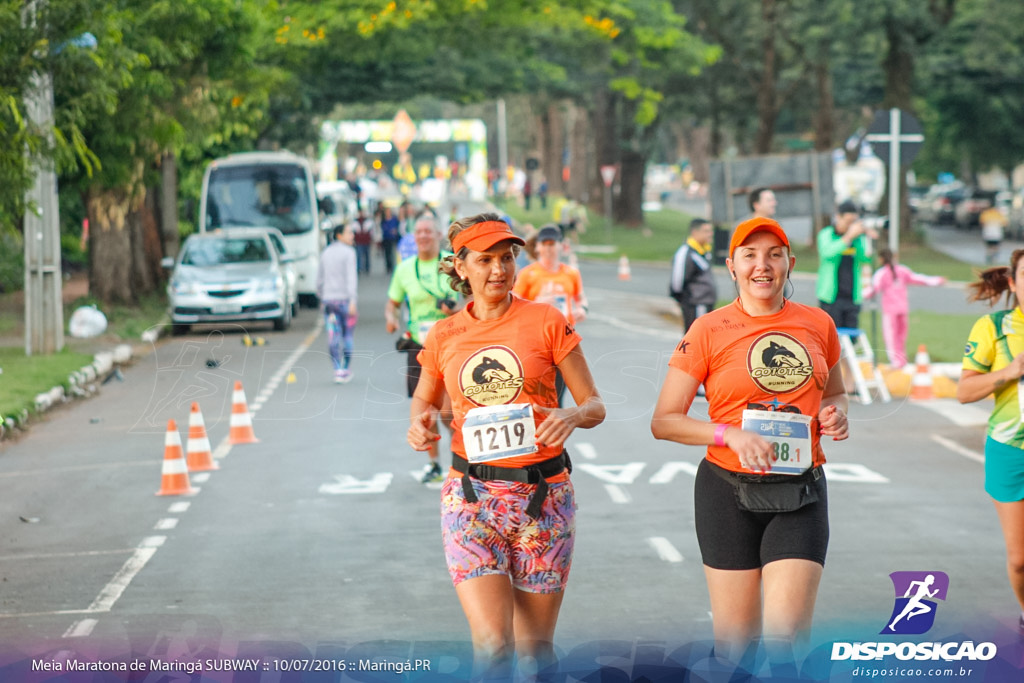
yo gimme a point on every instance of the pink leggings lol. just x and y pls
(894, 331)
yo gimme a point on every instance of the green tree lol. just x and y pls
(973, 94)
(167, 77)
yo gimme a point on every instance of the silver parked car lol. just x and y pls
(234, 275)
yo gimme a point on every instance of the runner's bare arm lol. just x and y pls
(391, 309)
(974, 386)
(671, 422)
(832, 419)
(426, 401)
(589, 410)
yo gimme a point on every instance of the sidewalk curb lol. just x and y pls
(82, 383)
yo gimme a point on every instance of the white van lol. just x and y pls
(270, 190)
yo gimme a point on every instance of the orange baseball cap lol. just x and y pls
(483, 236)
(756, 224)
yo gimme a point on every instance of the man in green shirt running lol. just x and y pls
(419, 284)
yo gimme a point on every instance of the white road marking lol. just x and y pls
(132, 566)
(957, 413)
(958, 449)
(166, 523)
(200, 477)
(614, 474)
(848, 471)
(346, 483)
(586, 450)
(80, 629)
(645, 330)
(178, 508)
(665, 549)
(618, 494)
(669, 471)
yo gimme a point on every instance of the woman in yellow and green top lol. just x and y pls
(994, 362)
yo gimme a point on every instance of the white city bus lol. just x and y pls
(267, 189)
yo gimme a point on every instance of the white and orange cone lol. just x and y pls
(241, 421)
(922, 386)
(198, 455)
(174, 481)
(624, 273)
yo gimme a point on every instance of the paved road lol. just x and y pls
(319, 542)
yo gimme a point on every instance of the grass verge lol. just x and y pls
(25, 376)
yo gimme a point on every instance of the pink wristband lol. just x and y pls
(720, 434)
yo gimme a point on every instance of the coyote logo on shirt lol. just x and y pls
(489, 371)
(778, 363)
(491, 376)
(776, 356)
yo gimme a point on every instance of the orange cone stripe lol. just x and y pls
(174, 471)
(241, 422)
(199, 457)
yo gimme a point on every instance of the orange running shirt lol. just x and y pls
(779, 362)
(560, 288)
(493, 362)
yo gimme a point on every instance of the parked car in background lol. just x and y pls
(915, 193)
(232, 275)
(938, 204)
(974, 201)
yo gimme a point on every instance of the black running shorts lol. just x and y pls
(731, 538)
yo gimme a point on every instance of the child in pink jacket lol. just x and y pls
(890, 281)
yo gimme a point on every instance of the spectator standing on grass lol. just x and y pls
(890, 282)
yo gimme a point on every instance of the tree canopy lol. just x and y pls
(139, 84)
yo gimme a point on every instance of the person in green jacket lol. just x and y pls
(842, 254)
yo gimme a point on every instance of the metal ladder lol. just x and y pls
(855, 353)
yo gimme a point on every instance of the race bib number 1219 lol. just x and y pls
(496, 432)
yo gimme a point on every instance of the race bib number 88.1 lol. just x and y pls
(789, 434)
(496, 432)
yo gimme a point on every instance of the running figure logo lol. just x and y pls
(916, 592)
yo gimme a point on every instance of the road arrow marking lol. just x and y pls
(346, 483)
(614, 474)
(669, 471)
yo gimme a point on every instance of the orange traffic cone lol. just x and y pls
(921, 387)
(199, 458)
(624, 273)
(174, 481)
(241, 421)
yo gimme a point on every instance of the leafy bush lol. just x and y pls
(12, 261)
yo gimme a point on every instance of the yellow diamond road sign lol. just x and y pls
(404, 131)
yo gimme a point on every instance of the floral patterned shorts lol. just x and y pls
(496, 536)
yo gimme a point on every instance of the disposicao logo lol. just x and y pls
(913, 614)
(916, 593)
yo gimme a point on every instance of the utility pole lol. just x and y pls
(44, 307)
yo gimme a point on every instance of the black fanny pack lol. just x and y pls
(531, 474)
(404, 343)
(773, 492)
